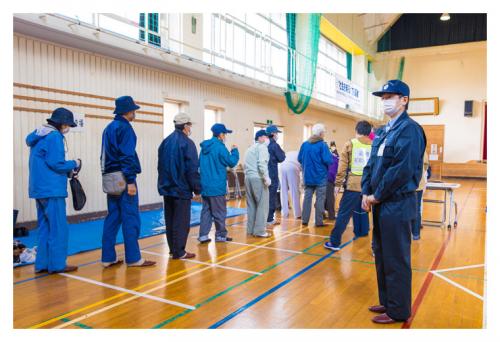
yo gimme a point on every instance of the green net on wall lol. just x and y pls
(303, 30)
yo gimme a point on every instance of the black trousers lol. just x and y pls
(177, 220)
(273, 198)
(392, 223)
(330, 200)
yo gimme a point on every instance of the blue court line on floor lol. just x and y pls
(96, 261)
(274, 289)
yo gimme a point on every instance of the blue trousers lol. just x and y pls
(213, 210)
(415, 229)
(123, 211)
(392, 222)
(350, 205)
(273, 198)
(52, 234)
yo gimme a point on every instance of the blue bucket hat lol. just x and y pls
(394, 87)
(125, 104)
(219, 128)
(62, 116)
(260, 133)
(272, 129)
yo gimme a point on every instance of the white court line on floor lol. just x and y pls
(265, 247)
(459, 268)
(457, 285)
(111, 306)
(126, 300)
(207, 263)
(122, 289)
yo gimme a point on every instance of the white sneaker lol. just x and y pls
(265, 235)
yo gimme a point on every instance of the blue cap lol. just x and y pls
(272, 129)
(125, 104)
(219, 128)
(394, 87)
(62, 116)
(260, 133)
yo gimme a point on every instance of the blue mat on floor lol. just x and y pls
(86, 236)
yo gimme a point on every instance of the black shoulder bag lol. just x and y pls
(79, 198)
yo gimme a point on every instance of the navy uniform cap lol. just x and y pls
(394, 87)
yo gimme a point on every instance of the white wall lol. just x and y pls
(49, 65)
(454, 73)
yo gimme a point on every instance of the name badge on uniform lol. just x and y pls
(381, 148)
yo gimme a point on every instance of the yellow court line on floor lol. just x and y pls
(45, 323)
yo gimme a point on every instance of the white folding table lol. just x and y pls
(448, 201)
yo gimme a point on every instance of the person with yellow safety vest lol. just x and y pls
(353, 159)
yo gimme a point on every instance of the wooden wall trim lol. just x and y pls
(72, 103)
(471, 169)
(91, 116)
(69, 92)
(107, 117)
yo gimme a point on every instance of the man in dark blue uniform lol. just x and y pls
(276, 155)
(178, 178)
(389, 182)
(118, 155)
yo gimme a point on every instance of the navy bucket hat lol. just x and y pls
(125, 104)
(62, 116)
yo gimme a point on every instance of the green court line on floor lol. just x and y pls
(219, 294)
(78, 324)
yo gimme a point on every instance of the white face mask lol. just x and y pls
(275, 137)
(391, 106)
(65, 131)
(266, 142)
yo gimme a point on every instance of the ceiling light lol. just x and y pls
(445, 17)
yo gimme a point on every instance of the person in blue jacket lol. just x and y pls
(315, 158)
(389, 182)
(214, 161)
(48, 177)
(276, 156)
(178, 179)
(118, 154)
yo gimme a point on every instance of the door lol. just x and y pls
(435, 149)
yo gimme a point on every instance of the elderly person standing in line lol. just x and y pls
(290, 181)
(214, 159)
(178, 179)
(315, 158)
(48, 182)
(257, 184)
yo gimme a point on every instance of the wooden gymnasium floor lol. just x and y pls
(287, 281)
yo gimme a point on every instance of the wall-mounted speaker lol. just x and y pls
(468, 108)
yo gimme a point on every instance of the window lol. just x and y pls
(170, 109)
(331, 60)
(152, 25)
(212, 116)
(252, 44)
(307, 131)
